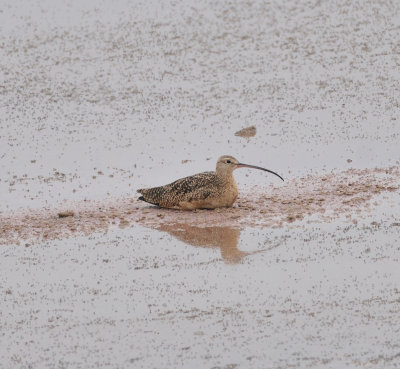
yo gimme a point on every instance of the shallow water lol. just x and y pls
(319, 296)
(99, 99)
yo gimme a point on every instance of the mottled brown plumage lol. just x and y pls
(208, 190)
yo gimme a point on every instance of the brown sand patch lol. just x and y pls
(328, 196)
(247, 132)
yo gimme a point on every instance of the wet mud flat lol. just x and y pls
(325, 198)
(99, 99)
(312, 283)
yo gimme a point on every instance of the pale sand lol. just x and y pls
(348, 193)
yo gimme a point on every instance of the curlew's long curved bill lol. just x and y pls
(241, 165)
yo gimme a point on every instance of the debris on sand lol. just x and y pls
(64, 214)
(247, 132)
(349, 194)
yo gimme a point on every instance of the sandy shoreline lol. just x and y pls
(348, 193)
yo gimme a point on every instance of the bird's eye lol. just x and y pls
(228, 161)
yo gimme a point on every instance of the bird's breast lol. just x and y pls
(229, 194)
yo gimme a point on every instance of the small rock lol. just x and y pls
(64, 214)
(247, 132)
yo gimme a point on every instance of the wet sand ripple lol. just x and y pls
(348, 193)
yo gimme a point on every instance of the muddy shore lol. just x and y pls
(100, 98)
(325, 198)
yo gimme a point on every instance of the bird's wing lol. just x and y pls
(197, 187)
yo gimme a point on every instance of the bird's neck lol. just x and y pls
(226, 176)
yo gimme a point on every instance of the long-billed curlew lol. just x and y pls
(208, 190)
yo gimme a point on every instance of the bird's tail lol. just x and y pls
(146, 198)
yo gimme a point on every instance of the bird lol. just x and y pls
(207, 190)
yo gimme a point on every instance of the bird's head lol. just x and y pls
(226, 164)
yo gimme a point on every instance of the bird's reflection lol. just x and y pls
(225, 238)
